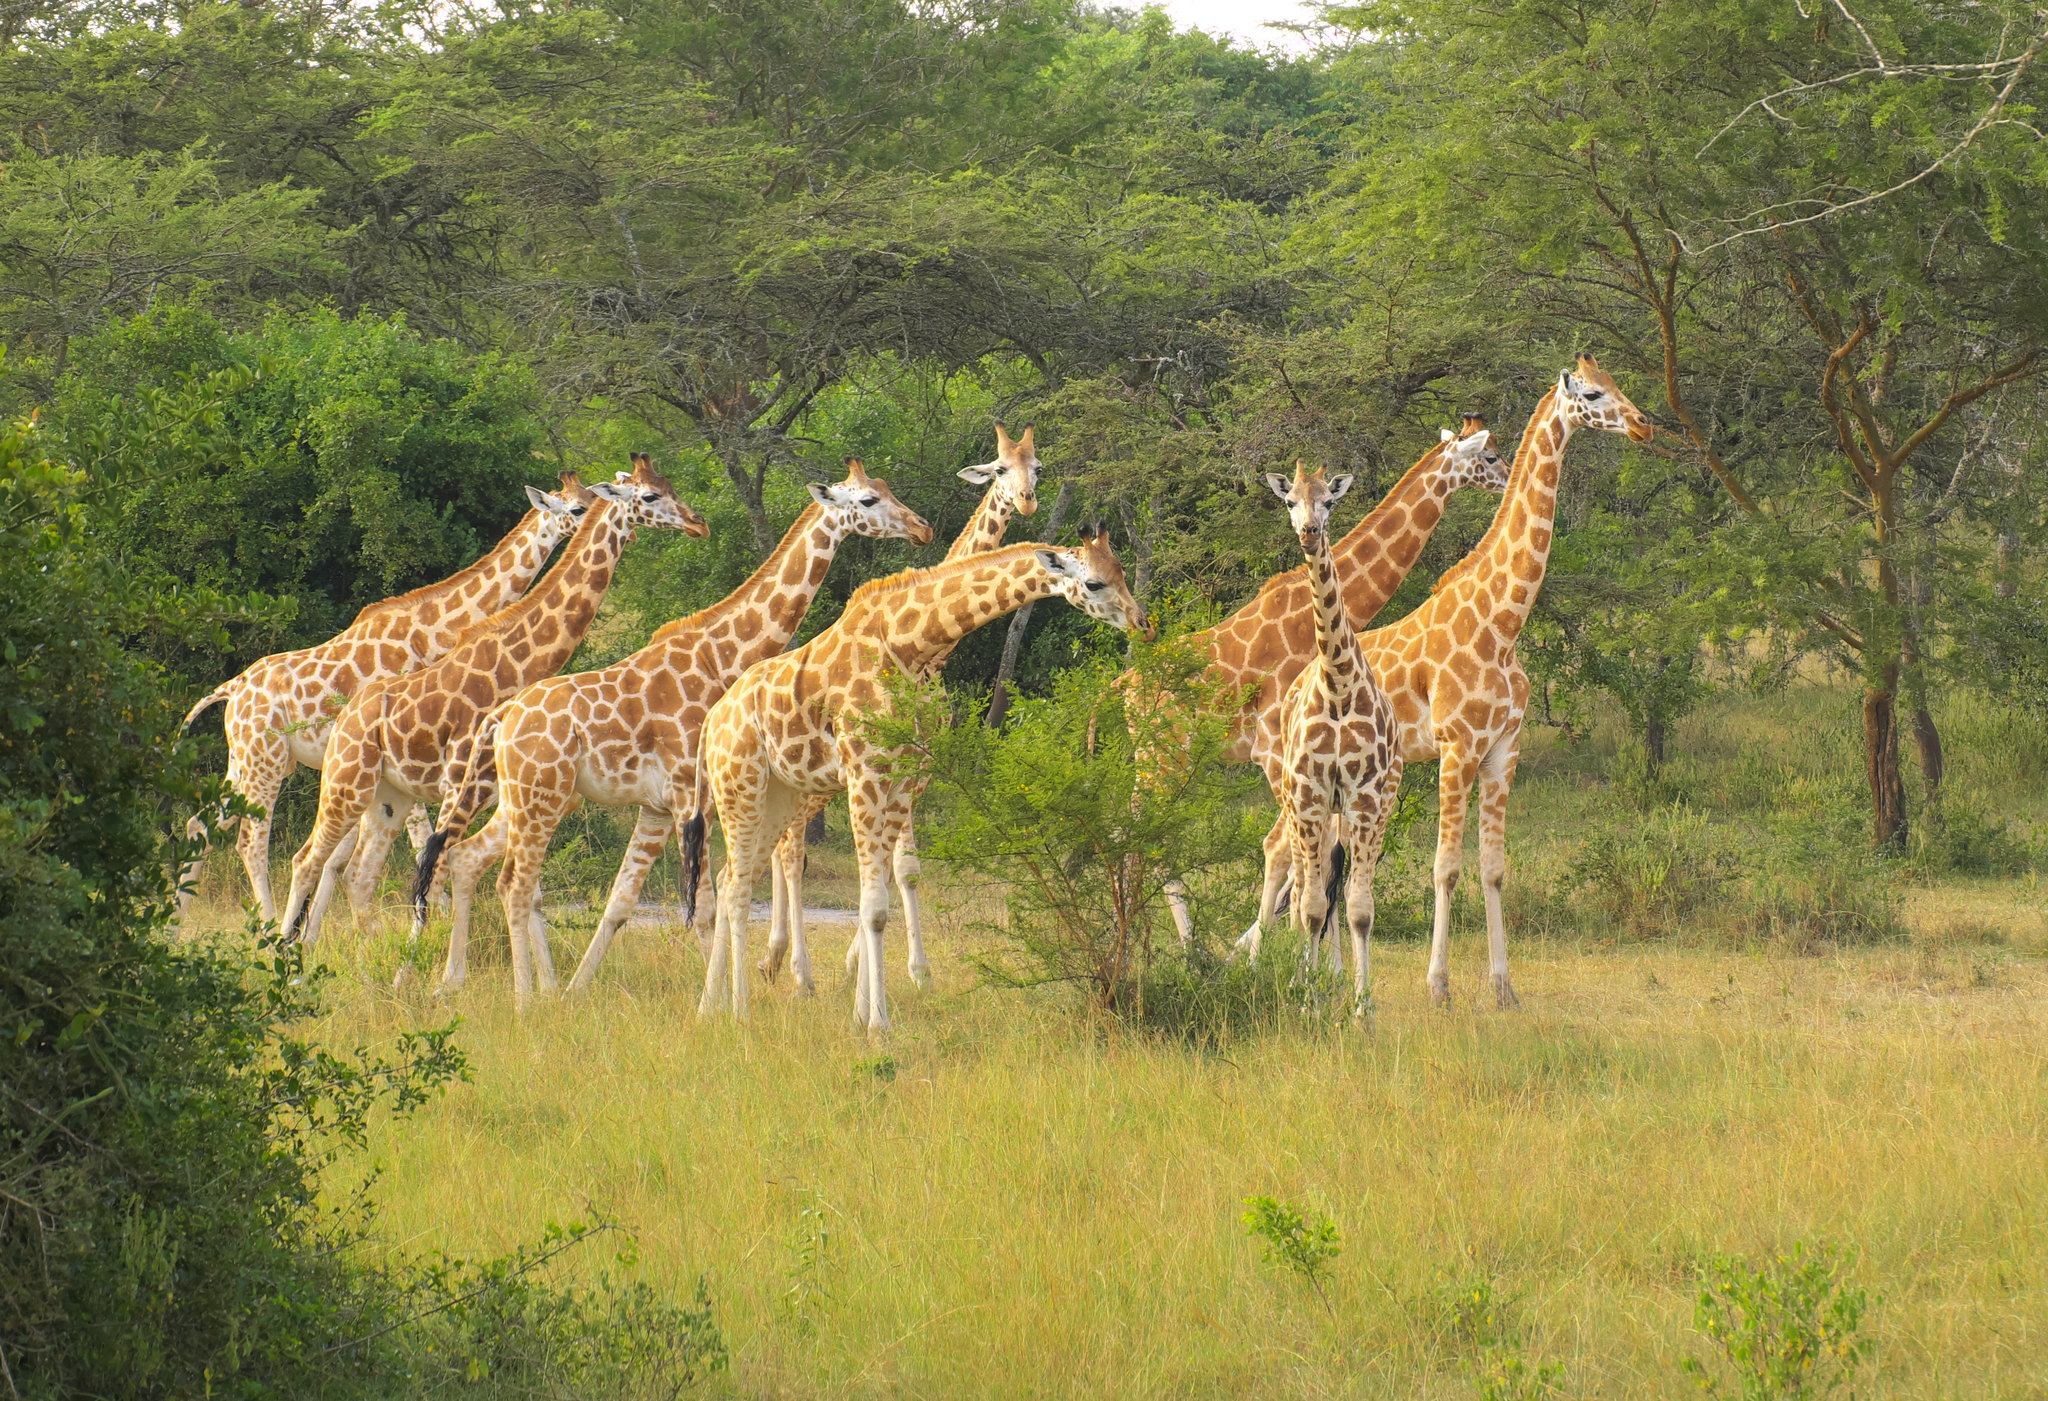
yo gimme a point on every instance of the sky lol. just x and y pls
(1241, 19)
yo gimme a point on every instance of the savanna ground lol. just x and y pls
(1736, 1035)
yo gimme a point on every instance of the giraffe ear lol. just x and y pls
(547, 501)
(1445, 435)
(821, 493)
(611, 491)
(981, 474)
(1566, 384)
(1339, 485)
(1280, 485)
(1059, 564)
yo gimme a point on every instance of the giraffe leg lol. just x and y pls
(754, 814)
(786, 899)
(908, 870)
(1496, 778)
(650, 836)
(518, 891)
(376, 832)
(465, 863)
(793, 912)
(349, 783)
(1177, 904)
(537, 942)
(1455, 774)
(419, 825)
(257, 768)
(1278, 865)
(1366, 834)
(877, 818)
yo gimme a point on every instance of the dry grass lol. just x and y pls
(1029, 1208)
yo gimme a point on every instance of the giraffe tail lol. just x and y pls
(207, 702)
(1340, 862)
(692, 840)
(475, 790)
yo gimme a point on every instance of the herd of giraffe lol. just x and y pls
(450, 695)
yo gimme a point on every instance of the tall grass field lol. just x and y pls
(1744, 1049)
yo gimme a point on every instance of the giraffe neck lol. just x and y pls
(476, 591)
(1511, 557)
(777, 594)
(1376, 554)
(1336, 641)
(985, 528)
(571, 592)
(918, 632)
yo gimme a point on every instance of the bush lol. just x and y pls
(1789, 1330)
(1651, 875)
(1060, 809)
(166, 1228)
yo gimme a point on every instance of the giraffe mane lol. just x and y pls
(873, 589)
(1525, 453)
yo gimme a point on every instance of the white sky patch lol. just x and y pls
(1243, 20)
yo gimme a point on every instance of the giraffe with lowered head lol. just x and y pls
(792, 727)
(281, 709)
(1012, 481)
(629, 733)
(1450, 669)
(403, 738)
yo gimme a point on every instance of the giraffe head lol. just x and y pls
(1090, 577)
(1014, 472)
(1484, 467)
(866, 506)
(562, 512)
(1309, 498)
(1592, 399)
(650, 500)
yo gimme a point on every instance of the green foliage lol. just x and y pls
(1063, 809)
(1786, 1331)
(166, 1127)
(1293, 1242)
(353, 458)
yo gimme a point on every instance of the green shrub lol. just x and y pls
(1651, 874)
(1789, 1331)
(1302, 1246)
(166, 1132)
(1061, 808)
(1966, 844)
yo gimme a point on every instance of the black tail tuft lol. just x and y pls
(423, 878)
(1340, 861)
(693, 865)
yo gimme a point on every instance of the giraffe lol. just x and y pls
(1012, 481)
(1257, 651)
(281, 709)
(792, 727)
(628, 734)
(1340, 773)
(1451, 673)
(403, 738)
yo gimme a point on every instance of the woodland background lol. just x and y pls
(295, 295)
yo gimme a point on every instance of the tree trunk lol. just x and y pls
(1881, 759)
(1013, 641)
(1928, 740)
(2008, 581)
(748, 488)
(1653, 744)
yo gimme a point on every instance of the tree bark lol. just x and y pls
(748, 489)
(1881, 759)
(1013, 641)
(2007, 583)
(1653, 744)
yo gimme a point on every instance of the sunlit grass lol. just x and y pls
(1017, 1205)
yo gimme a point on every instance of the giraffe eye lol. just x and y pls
(577, 510)
(1097, 585)
(1592, 394)
(650, 497)
(869, 500)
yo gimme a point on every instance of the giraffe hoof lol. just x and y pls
(1504, 998)
(1440, 993)
(401, 977)
(921, 974)
(767, 972)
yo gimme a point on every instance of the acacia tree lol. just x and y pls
(1796, 223)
